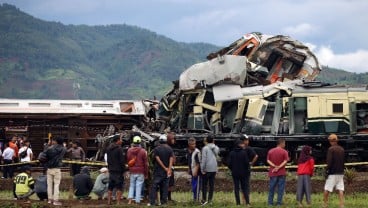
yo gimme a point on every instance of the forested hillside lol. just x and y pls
(40, 59)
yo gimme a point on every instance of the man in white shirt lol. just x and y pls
(29, 155)
(8, 156)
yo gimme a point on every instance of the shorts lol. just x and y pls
(334, 181)
(116, 180)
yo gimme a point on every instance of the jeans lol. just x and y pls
(162, 183)
(8, 170)
(135, 188)
(196, 187)
(53, 182)
(208, 178)
(278, 181)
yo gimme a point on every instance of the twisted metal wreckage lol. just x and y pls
(260, 85)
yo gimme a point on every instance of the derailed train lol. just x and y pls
(260, 85)
(263, 86)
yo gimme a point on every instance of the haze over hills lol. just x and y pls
(40, 59)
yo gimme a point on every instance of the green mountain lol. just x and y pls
(40, 59)
(332, 75)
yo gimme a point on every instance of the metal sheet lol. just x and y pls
(227, 69)
(227, 92)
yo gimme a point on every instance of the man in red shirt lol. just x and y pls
(277, 158)
(14, 146)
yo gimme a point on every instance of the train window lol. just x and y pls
(337, 108)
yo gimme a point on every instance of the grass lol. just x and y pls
(223, 199)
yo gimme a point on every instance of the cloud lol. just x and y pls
(300, 30)
(352, 61)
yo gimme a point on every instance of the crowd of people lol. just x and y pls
(202, 167)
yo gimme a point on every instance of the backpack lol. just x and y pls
(132, 161)
(42, 157)
(23, 154)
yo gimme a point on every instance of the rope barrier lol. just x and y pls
(99, 163)
(95, 163)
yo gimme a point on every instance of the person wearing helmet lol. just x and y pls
(163, 161)
(138, 168)
(23, 184)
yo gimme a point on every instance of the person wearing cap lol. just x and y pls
(253, 157)
(335, 170)
(54, 156)
(23, 184)
(138, 169)
(101, 184)
(238, 163)
(163, 161)
(82, 184)
(277, 158)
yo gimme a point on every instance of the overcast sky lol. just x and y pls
(336, 30)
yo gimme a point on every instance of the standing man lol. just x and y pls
(252, 156)
(138, 169)
(54, 155)
(239, 165)
(28, 155)
(116, 166)
(14, 146)
(335, 170)
(171, 142)
(76, 153)
(8, 157)
(163, 161)
(194, 169)
(209, 168)
(277, 158)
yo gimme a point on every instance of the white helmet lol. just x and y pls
(163, 138)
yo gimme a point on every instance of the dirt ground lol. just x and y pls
(182, 184)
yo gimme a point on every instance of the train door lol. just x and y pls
(297, 110)
(359, 117)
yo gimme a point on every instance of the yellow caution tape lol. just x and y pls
(99, 163)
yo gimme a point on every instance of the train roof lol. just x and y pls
(88, 107)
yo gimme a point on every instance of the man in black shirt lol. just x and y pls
(163, 159)
(335, 170)
(239, 165)
(252, 157)
(116, 166)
